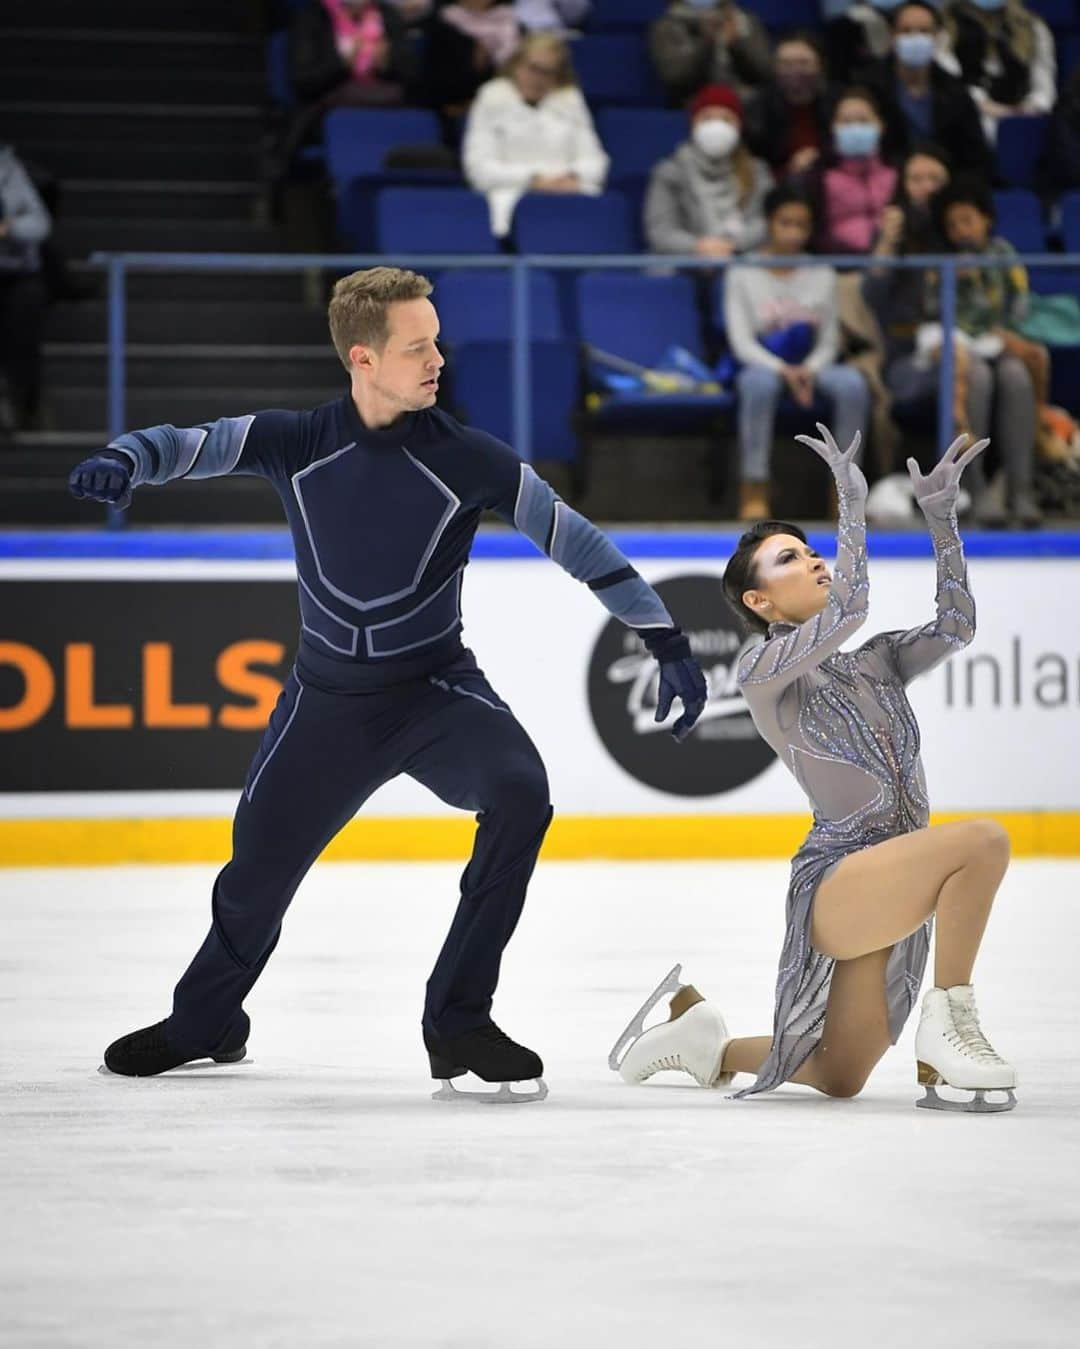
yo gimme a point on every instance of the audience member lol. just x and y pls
(707, 197)
(551, 16)
(413, 12)
(466, 44)
(853, 182)
(342, 53)
(531, 131)
(996, 371)
(855, 33)
(1005, 55)
(700, 42)
(782, 326)
(787, 118)
(919, 99)
(25, 226)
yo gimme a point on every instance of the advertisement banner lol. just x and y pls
(142, 688)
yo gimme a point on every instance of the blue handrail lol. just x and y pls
(118, 264)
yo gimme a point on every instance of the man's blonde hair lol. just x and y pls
(359, 307)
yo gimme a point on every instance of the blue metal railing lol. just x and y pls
(947, 265)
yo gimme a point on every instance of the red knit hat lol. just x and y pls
(716, 96)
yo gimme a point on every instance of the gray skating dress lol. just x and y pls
(842, 723)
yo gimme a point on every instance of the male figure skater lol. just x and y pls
(383, 493)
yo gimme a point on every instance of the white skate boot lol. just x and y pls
(691, 1041)
(952, 1051)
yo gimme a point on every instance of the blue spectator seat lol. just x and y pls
(432, 220)
(637, 318)
(1020, 220)
(638, 138)
(547, 222)
(1019, 145)
(357, 139)
(1070, 221)
(780, 14)
(615, 68)
(1054, 280)
(619, 15)
(483, 393)
(277, 69)
(475, 306)
(1059, 15)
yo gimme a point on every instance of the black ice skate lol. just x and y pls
(146, 1052)
(492, 1056)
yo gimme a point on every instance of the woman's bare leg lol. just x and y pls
(883, 894)
(872, 900)
(855, 1037)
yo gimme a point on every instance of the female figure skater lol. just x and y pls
(871, 875)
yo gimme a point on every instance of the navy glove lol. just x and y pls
(680, 677)
(105, 476)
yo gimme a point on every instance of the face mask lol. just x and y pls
(856, 140)
(702, 4)
(915, 49)
(886, 5)
(715, 138)
(989, 4)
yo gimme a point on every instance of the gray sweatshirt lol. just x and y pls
(23, 213)
(692, 196)
(757, 301)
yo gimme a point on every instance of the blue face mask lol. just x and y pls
(702, 4)
(915, 49)
(856, 140)
(989, 4)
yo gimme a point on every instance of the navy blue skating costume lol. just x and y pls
(382, 522)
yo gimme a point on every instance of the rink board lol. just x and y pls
(134, 686)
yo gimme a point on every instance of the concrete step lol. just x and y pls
(144, 198)
(209, 160)
(80, 408)
(272, 323)
(55, 52)
(199, 16)
(121, 122)
(186, 367)
(82, 237)
(87, 84)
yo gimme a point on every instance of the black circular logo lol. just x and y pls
(724, 750)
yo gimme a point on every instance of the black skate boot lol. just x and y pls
(146, 1052)
(492, 1056)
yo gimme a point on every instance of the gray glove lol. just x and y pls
(936, 492)
(850, 482)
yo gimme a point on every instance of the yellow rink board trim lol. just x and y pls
(104, 842)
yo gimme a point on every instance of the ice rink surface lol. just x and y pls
(316, 1196)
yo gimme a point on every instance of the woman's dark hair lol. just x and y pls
(962, 192)
(863, 92)
(928, 5)
(807, 36)
(740, 574)
(788, 194)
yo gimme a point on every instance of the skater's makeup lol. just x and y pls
(776, 576)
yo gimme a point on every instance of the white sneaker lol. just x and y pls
(952, 1051)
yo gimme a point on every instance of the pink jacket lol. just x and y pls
(855, 192)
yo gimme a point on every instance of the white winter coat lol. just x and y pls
(507, 141)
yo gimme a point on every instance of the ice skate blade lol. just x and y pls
(504, 1096)
(979, 1105)
(669, 984)
(195, 1066)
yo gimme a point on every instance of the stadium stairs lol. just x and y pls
(151, 119)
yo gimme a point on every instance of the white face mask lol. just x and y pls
(915, 49)
(715, 137)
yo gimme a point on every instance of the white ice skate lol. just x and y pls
(691, 1041)
(952, 1051)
